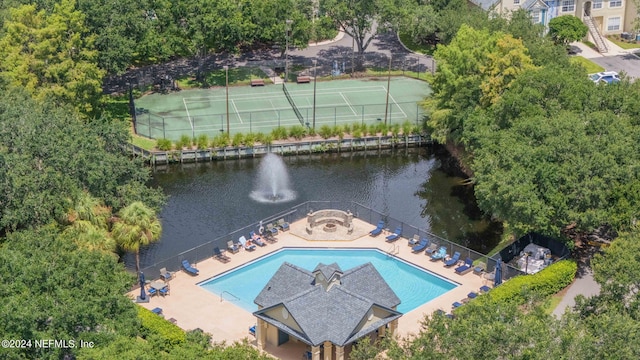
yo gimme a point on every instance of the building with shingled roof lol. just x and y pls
(326, 306)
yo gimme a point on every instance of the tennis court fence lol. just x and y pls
(362, 212)
(156, 126)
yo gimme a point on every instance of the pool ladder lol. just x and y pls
(222, 298)
(393, 250)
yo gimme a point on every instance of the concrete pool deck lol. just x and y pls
(194, 307)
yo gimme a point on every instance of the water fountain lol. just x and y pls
(272, 183)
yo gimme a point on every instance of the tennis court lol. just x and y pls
(261, 109)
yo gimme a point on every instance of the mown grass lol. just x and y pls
(623, 44)
(587, 64)
(143, 142)
(419, 48)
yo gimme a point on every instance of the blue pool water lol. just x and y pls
(414, 286)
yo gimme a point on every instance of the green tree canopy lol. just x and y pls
(52, 55)
(567, 28)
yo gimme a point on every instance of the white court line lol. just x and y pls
(186, 108)
(348, 103)
(237, 113)
(394, 101)
(267, 96)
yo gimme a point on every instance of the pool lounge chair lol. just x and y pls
(218, 255)
(431, 249)
(255, 238)
(272, 229)
(189, 269)
(420, 247)
(283, 225)
(378, 230)
(452, 260)
(463, 269)
(395, 236)
(234, 248)
(245, 245)
(440, 254)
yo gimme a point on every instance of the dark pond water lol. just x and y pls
(421, 187)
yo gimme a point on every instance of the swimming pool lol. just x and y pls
(413, 285)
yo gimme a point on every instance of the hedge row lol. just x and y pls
(157, 325)
(547, 282)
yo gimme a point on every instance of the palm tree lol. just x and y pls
(137, 225)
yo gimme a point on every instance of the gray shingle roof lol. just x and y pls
(332, 315)
(327, 270)
(485, 5)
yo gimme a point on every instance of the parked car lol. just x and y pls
(605, 77)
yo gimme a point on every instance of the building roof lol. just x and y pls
(341, 313)
(486, 5)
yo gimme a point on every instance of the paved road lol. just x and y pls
(628, 63)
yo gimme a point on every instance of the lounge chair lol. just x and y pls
(431, 249)
(272, 229)
(440, 254)
(378, 230)
(234, 248)
(452, 260)
(395, 236)
(415, 241)
(189, 269)
(465, 268)
(218, 255)
(283, 225)
(245, 245)
(420, 247)
(165, 275)
(255, 238)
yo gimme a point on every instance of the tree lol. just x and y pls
(136, 226)
(566, 29)
(52, 56)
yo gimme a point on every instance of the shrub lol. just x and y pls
(407, 128)
(325, 131)
(547, 282)
(267, 139)
(156, 325)
(297, 132)
(183, 142)
(238, 139)
(279, 133)
(260, 137)
(395, 130)
(311, 132)
(221, 140)
(346, 128)
(164, 144)
(356, 133)
(202, 141)
(250, 139)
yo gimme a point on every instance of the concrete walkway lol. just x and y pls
(584, 285)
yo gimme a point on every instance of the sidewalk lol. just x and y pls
(584, 285)
(589, 53)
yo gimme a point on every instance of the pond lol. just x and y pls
(422, 187)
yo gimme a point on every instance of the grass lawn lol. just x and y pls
(553, 302)
(587, 64)
(143, 142)
(623, 44)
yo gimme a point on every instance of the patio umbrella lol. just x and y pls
(497, 280)
(143, 296)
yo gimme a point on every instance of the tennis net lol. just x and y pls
(293, 105)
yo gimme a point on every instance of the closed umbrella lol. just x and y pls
(143, 296)
(498, 277)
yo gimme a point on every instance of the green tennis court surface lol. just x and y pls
(261, 109)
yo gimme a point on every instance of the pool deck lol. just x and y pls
(194, 307)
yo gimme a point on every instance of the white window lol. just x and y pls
(596, 4)
(516, 2)
(613, 23)
(568, 5)
(615, 3)
(535, 16)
